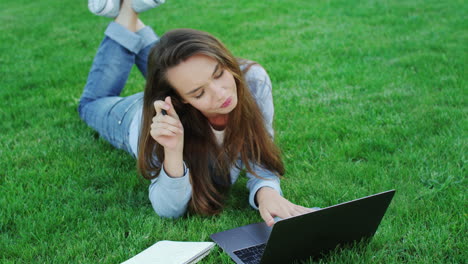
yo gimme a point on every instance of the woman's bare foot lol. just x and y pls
(128, 17)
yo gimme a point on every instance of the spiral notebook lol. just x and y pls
(172, 252)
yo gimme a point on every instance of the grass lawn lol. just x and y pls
(369, 96)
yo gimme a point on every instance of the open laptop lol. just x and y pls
(305, 236)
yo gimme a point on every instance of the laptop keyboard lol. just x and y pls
(251, 255)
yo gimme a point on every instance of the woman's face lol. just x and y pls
(202, 82)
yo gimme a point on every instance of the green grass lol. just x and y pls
(369, 95)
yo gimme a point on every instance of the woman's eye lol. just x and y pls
(200, 95)
(219, 75)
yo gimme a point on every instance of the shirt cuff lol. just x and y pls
(174, 182)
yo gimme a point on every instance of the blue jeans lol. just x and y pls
(101, 105)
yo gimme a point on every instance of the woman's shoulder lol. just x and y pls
(256, 77)
(252, 69)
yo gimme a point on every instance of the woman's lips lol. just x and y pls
(227, 103)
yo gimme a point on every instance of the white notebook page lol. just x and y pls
(172, 252)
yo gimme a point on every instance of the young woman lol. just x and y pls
(204, 115)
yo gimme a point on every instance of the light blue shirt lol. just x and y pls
(170, 196)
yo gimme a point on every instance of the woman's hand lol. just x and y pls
(167, 130)
(271, 204)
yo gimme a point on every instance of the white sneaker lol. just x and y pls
(143, 5)
(107, 8)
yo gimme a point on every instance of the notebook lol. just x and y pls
(306, 236)
(172, 252)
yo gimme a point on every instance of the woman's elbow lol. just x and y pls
(167, 214)
(168, 210)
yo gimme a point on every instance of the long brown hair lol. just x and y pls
(245, 135)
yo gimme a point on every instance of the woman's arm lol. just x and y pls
(254, 184)
(170, 192)
(266, 194)
(271, 204)
(170, 196)
(267, 197)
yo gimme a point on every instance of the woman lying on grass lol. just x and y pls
(204, 115)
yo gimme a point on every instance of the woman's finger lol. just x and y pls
(163, 132)
(159, 105)
(171, 110)
(160, 119)
(165, 126)
(167, 121)
(172, 128)
(300, 211)
(170, 120)
(266, 216)
(284, 212)
(169, 131)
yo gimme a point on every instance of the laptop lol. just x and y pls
(305, 236)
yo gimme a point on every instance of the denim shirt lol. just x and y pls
(170, 196)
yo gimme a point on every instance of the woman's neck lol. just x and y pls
(218, 122)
